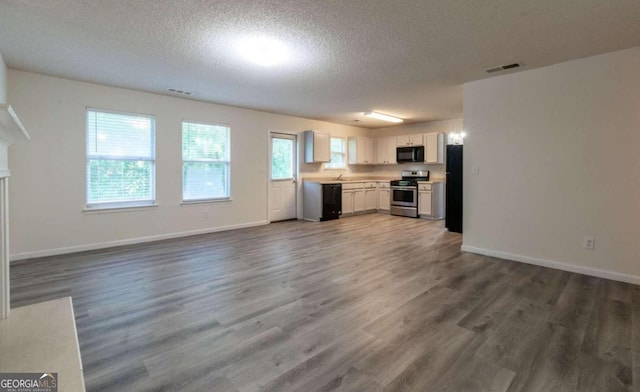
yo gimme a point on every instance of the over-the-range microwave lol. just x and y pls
(410, 154)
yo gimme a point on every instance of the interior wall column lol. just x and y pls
(4, 247)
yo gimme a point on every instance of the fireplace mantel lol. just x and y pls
(11, 131)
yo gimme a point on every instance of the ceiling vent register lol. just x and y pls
(503, 67)
(181, 92)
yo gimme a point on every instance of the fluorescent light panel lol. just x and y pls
(383, 117)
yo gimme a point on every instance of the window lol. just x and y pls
(282, 157)
(338, 154)
(120, 159)
(205, 162)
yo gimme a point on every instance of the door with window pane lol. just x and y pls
(282, 187)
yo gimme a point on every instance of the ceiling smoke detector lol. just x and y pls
(180, 92)
(503, 67)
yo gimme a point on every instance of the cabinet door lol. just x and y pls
(358, 150)
(370, 199)
(410, 140)
(392, 146)
(424, 203)
(386, 150)
(384, 199)
(322, 147)
(434, 148)
(369, 152)
(417, 140)
(404, 140)
(381, 150)
(358, 200)
(347, 202)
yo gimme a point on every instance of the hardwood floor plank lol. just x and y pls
(367, 303)
(552, 365)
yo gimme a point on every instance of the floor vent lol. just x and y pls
(503, 67)
(181, 92)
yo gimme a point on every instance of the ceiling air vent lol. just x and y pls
(181, 92)
(503, 67)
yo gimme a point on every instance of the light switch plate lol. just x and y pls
(475, 169)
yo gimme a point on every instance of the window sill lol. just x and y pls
(207, 201)
(112, 210)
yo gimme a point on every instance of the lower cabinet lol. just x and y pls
(384, 196)
(358, 200)
(370, 196)
(359, 197)
(353, 199)
(424, 203)
(347, 202)
(431, 200)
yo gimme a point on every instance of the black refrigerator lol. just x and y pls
(453, 217)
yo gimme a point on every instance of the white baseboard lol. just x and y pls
(599, 273)
(139, 240)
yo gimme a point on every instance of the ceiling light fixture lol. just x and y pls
(383, 117)
(263, 51)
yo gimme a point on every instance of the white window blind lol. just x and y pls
(120, 159)
(338, 154)
(205, 161)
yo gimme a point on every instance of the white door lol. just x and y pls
(282, 188)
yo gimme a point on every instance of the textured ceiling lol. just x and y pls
(407, 58)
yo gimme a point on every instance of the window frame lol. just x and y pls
(120, 205)
(227, 162)
(344, 155)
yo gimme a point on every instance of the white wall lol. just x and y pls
(435, 171)
(559, 155)
(48, 181)
(3, 81)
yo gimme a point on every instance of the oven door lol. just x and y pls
(404, 196)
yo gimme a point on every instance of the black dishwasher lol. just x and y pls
(331, 201)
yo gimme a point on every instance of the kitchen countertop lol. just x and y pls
(359, 180)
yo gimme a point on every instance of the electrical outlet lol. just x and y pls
(475, 169)
(589, 243)
(205, 214)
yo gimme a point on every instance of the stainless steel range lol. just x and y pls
(404, 193)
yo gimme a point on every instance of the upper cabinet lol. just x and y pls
(434, 148)
(361, 150)
(410, 140)
(317, 147)
(386, 150)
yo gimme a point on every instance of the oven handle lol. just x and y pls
(404, 188)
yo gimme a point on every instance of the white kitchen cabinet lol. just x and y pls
(361, 150)
(347, 202)
(386, 150)
(317, 147)
(353, 198)
(359, 197)
(424, 203)
(370, 196)
(431, 200)
(358, 200)
(434, 148)
(409, 140)
(384, 196)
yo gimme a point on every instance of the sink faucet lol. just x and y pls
(339, 177)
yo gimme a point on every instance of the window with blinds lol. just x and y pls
(338, 154)
(205, 161)
(120, 159)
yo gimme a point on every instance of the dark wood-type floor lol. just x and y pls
(368, 303)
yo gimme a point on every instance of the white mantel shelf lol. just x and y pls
(11, 129)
